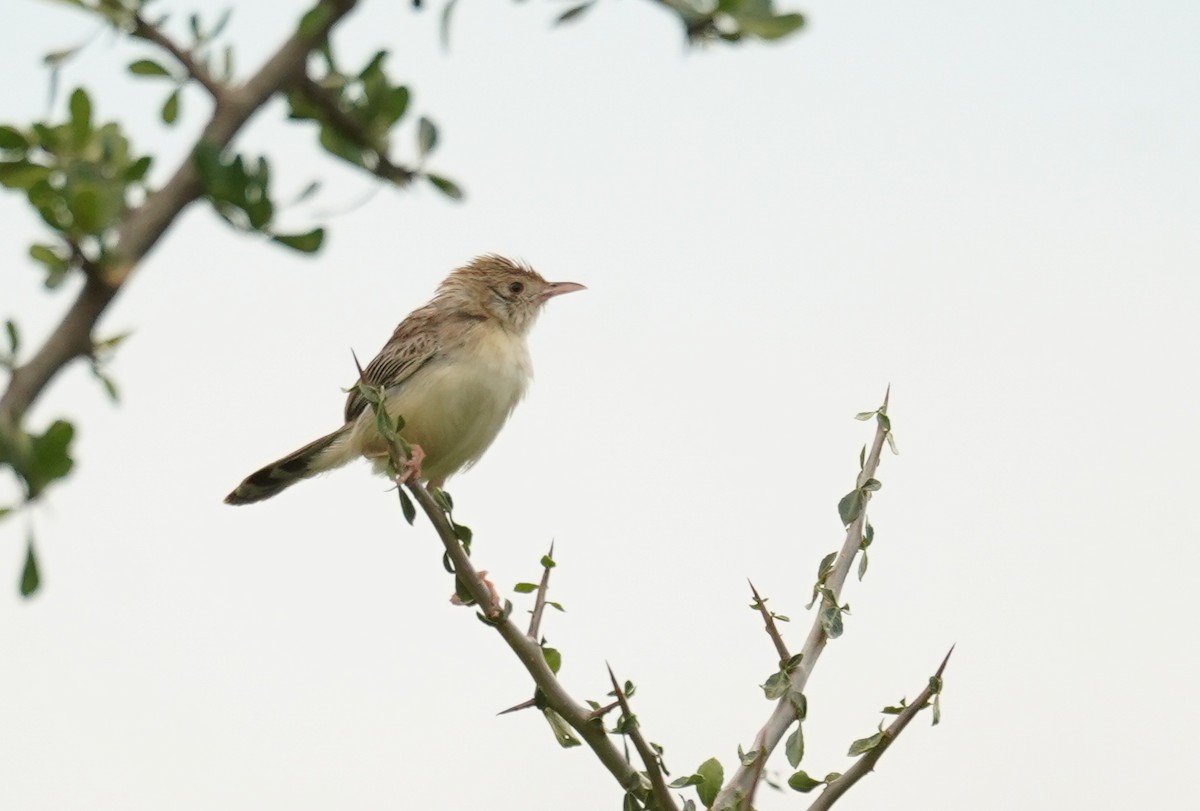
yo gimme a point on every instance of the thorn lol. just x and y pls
(524, 705)
(357, 365)
(887, 394)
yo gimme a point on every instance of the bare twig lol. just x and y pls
(579, 717)
(539, 604)
(350, 127)
(783, 716)
(142, 227)
(662, 794)
(866, 762)
(769, 622)
(152, 33)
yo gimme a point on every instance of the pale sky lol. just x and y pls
(992, 208)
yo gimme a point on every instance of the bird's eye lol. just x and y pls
(516, 287)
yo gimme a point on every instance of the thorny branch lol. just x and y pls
(662, 794)
(769, 623)
(742, 782)
(866, 763)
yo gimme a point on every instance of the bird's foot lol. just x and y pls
(411, 470)
(495, 595)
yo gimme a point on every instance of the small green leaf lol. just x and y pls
(562, 732)
(80, 107)
(864, 745)
(871, 485)
(308, 242)
(548, 562)
(30, 579)
(556, 605)
(524, 588)
(862, 565)
(148, 67)
(14, 337)
(794, 748)
(776, 686)
(12, 139)
(712, 777)
(463, 533)
(799, 703)
(800, 781)
(793, 662)
(770, 27)
(445, 186)
(864, 415)
(50, 457)
(427, 136)
(937, 709)
(747, 758)
(831, 621)
(170, 109)
(138, 169)
(684, 782)
(553, 659)
(826, 566)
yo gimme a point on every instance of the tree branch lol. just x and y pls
(539, 604)
(662, 794)
(866, 763)
(153, 34)
(351, 128)
(580, 718)
(142, 227)
(784, 714)
(769, 623)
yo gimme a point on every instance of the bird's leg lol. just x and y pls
(411, 470)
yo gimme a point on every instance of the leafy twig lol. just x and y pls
(784, 714)
(579, 717)
(142, 227)
(152, 33)
(539, 604)
(351, 128)
(866, 763)
(769, 623)
(662, 794)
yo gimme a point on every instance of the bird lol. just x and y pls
(454, 370)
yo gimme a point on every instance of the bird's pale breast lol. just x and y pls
(454, 406)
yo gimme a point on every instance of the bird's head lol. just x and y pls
(495, 287)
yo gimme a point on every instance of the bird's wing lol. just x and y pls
(412, 346)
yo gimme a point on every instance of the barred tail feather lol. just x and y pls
(283, 473)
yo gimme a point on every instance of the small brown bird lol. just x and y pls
(453, 369)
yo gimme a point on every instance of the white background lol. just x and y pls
(993, 208)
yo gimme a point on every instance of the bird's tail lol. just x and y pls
(283, 473)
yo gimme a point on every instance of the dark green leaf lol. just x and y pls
(30, 579)
(799, 703)
(426, 136)
(137, 170)
(885, 422)
(851, 506)
(871, 485)
(170, 109)
(80, 107)
(556, 605)
(864, 745)
(49, 458)
(308, 242)
(712, 776)
(463, 533)
(14, 337)
(553, 659)
(831, 621)
(794, 748)
(801, 782)
(562, 732)
(445, 186)
(524, 588)
(826, 566)
(548, 562)
(770, 27)
(12, 139)
(406, 506)
(793, 662)
(392, 105)
(148, 67)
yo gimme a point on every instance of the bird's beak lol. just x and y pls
(558, 288)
